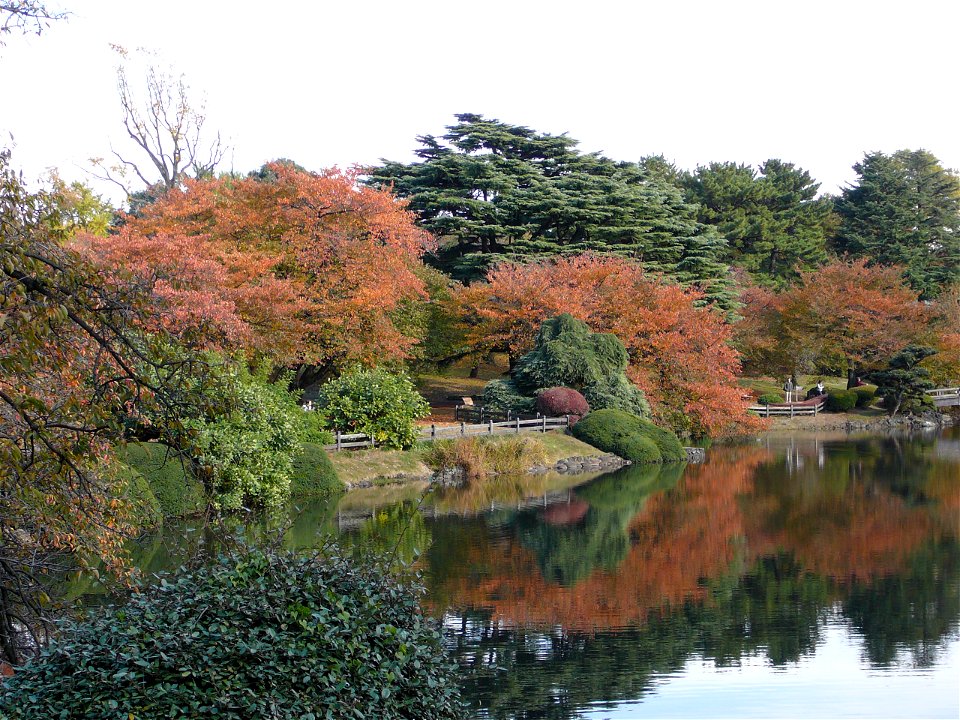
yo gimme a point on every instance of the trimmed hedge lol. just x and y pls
(770, 399)
(666, 441)
(262, 634)
(865, 396)
(146, 508)
(313, 474)
(841, 400)
(170, 478)
(629, 436)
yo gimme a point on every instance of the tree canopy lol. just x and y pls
(904, 210)
(305, 268)
(489, 191)
(772, 220)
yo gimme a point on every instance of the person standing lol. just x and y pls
(788, 388)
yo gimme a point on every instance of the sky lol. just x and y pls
(815, 83)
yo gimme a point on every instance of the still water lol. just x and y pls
(813, 576)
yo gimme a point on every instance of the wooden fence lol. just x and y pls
(479, 414)
(346, 441)
(790, 409)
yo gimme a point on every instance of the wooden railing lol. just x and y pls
(790, 409)
(346, 441)
(943, 397)
(480, 414)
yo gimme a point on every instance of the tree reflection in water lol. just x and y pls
(749, 554)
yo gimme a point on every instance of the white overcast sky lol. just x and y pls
(815, 83)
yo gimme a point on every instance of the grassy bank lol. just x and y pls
(377, 467)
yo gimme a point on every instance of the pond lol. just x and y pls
(813, 576)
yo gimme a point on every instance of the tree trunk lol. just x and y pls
(8, 635)
(851, 373)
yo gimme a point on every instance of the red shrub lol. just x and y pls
(562, 401)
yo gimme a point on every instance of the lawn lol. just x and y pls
(763, 385)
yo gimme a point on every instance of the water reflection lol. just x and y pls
(557, 597)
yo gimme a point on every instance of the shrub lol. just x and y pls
(865, 396)
(637, 449)
(144, 506)
(299, 637)
(841, 400)
(380, 404)
(169, 476)
(480, 456)
(562, 401)
(667, 442)
(245, 454)
(623, 434)
(504, 396)
(567, 354)
(770, 399)
(313, 474)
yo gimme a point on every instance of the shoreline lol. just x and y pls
(869, 420)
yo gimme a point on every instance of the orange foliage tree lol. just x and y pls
(944, 367)
(306, 268)
(680, 353)
(846, 315)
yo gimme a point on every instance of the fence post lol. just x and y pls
(544, 423)
(463, 429)
(338, 440)
(433, 430)
(791, 409)
(768, 410)
(518, 424)
(490, 427)
(815, 408)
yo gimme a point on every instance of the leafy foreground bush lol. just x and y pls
(629, 436)
(482, 456)
(841, 400)
(255, 635)
(382, 405)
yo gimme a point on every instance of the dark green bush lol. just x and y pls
(146, 508)
(865, 396)
(637, 449)
(567, 354)
(770, 399)
(313, 474)
(256, 635)
(170, 478)
(841, 400)
(624, 434)
(666, 441)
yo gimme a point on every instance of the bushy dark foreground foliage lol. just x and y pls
(254, 635)
(629, 436)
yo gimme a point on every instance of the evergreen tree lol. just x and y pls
(492, 191)
(772, 220)
(903, 383)
(904, 210)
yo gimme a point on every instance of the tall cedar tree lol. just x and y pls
(306, 268)
(772, 220)
(680, 354)
(904, 210)
(489, 191)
